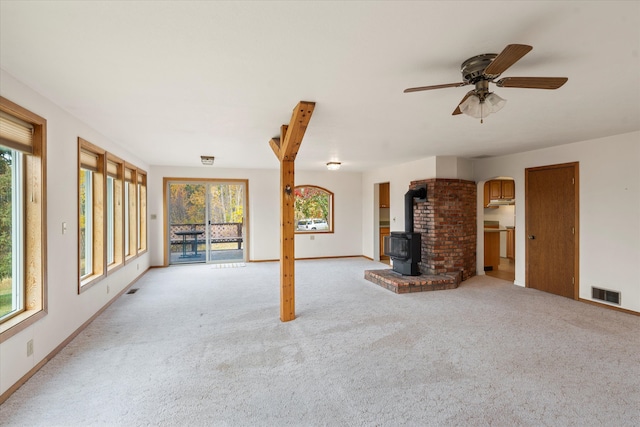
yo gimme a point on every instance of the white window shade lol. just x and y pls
(112, 169)
(89, 160)
(16, 133)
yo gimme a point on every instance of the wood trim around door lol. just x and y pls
(165, 209)
(576, 220)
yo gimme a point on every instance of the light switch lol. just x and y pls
(64, 227)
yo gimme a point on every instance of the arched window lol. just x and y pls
(313, 209)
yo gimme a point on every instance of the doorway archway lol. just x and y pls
(499, 220)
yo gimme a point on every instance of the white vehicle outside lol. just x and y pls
(317, 224)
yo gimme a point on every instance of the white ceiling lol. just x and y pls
(174, 80)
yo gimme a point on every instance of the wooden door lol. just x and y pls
(551, 218)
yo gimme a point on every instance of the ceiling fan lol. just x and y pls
(481, 70)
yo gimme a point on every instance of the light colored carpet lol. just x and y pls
(198, 345)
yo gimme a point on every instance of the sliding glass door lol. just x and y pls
(206, 221)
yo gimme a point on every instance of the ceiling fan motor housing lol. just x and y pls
(473, 68)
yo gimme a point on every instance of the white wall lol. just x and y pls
(264, 210)
(609, 209)
(67, 310)
(452, 167)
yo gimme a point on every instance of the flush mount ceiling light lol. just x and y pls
(333, 166)
(207, 160)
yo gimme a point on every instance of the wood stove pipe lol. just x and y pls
(419, 193)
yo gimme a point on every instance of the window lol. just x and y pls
(313, 209)
(91, 210)
(131, 213)
(135, 211)
(110, 220)
(112, 226)
(22, 218)
(115, 212)
(11, 250)
(142, 211)
(86, 222)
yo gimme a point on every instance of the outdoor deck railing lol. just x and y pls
(219, 232)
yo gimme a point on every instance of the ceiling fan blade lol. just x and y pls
(509, 56)
(457, 110)
(421, 88)
(532, 82)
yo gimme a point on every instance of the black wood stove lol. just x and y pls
(404, 247)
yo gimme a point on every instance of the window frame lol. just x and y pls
(131, 213)
(34, 234)
(141, 193)
(110, 204)
(115, 171)
(17, 233)
(86, 188)
(330, 215)
(93, 158)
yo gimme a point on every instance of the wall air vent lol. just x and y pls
(605, 295)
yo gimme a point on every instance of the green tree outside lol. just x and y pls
(6, 194)
(311, 202)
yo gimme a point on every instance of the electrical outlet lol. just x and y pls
(64, 227)
(29, 347)
(312, 237)
(138, 266)
(107, 288)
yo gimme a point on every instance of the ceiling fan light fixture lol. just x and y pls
(473, 107)
(479, 108)
(494, 102)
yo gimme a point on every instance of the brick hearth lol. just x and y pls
(447, 223)
(400, 284)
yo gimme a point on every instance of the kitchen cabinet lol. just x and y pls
(491, 250)
(384, 195)
(495, 189)
(384, 231)
(487, 194)
(508, 189)
(499, 189)
(511, 243)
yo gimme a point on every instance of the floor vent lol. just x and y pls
(228, 265)
(133, 291)
(612, 297)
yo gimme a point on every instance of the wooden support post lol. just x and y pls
(287, 242)
(286, 148)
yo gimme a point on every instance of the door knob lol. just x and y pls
(531, 237)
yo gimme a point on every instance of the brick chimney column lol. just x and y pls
(447, 222)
